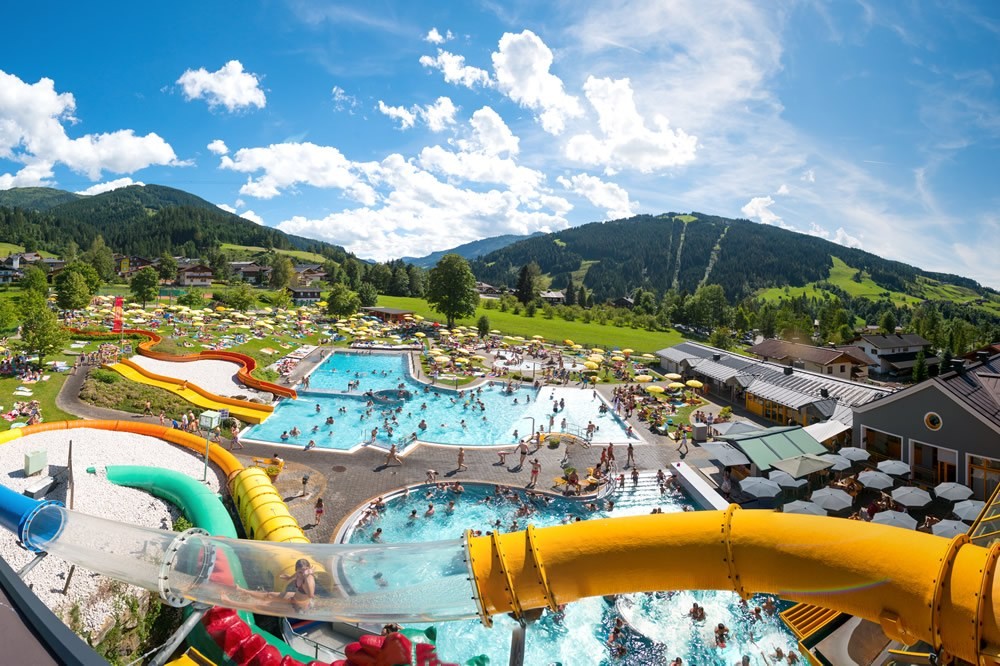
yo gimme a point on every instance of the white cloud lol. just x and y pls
(783, 189)
(844, 238)
(627, 143)
(218, 147)
(435, 37)
(438, 115)
(602, 194)
(456, 71)
(33, 133)
(342, 101)
(246, 215)
(108, 186)
(760, 208)
(490, 134)
(252, 216)
(229, 86)
(405, 117)
(522, 66)
(285, 165)
(808, 176)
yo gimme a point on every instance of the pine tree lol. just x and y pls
(570, 298)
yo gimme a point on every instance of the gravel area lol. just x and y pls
(93, 494)
(219, 377)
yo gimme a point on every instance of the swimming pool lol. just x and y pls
(658, 628)
(485, 416)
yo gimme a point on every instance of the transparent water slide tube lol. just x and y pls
(421, 582)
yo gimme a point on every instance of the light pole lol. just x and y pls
(207, 421)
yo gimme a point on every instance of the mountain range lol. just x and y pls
(472, 250)
(685, 251)
(143, 220)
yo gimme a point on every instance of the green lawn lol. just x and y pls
(588, 335)
(301, 255)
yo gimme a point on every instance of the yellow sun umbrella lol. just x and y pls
(672, 376)
(675, 385)
(595, 358)
(495, 332)
(627, 351)
(538, 337)
(694, 383)
(617, 358)
(442, 359)
(590, 365)
(568, 342)
(596, 350)
(577, 346)
(654, 388)
(649, 356)
(643, 378)
(420, 334)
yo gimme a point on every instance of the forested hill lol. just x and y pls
(140, 220)
(683, 252)
(471, 250)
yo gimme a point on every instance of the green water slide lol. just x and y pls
(204, 509)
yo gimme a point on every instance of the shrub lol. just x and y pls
(106, 376)
(182, 524)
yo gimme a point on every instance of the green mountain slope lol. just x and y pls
(472, 250)
(35, 198)
(685, 251)
(146, 221)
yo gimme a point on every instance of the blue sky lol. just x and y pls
(399, 128)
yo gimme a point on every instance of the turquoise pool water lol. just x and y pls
(487, 416)
(658, 628)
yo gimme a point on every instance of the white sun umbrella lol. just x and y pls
(832, 499)
(854, 454)
(968, 510)
(803, 507)
(895, 519)
(952, 492)
(876, 480)
(894, 467)
(840, 463)
(911, 496)
(786, 480)
(949, 528)
(756, 486)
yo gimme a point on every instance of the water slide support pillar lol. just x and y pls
(517, 644)
(26, 569)
(164, 653)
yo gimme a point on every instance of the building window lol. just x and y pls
(843, 368)
(882, 445)
(933, 421)
(984, 476)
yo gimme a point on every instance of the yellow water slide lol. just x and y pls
(248, 412)
(917, 586)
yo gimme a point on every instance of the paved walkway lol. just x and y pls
(347, 480)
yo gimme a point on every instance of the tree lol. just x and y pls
(399, 285)
(451, 288)
(9, 315)
(341, 301)
(34, 281)
(101, 258)
(72, 292)
(192, 298)
(368, 295)
(483, 326)
(86, 271)
(40, 330)
(722, 338)
(282, 271)
(920, 371)
(241, 297)
(145, 285)
(379, 276)
(888, 322)
(570, 298)
(527, 282)
(281, 300)
(167, 268)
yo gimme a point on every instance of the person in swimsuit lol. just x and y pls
(299, 595)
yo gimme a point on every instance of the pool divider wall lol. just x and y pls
(700, 490)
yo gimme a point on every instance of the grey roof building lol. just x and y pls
(947, 428)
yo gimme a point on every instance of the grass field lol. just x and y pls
(841, 275)
(301, 255)
(10, 248)
(588, 335)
